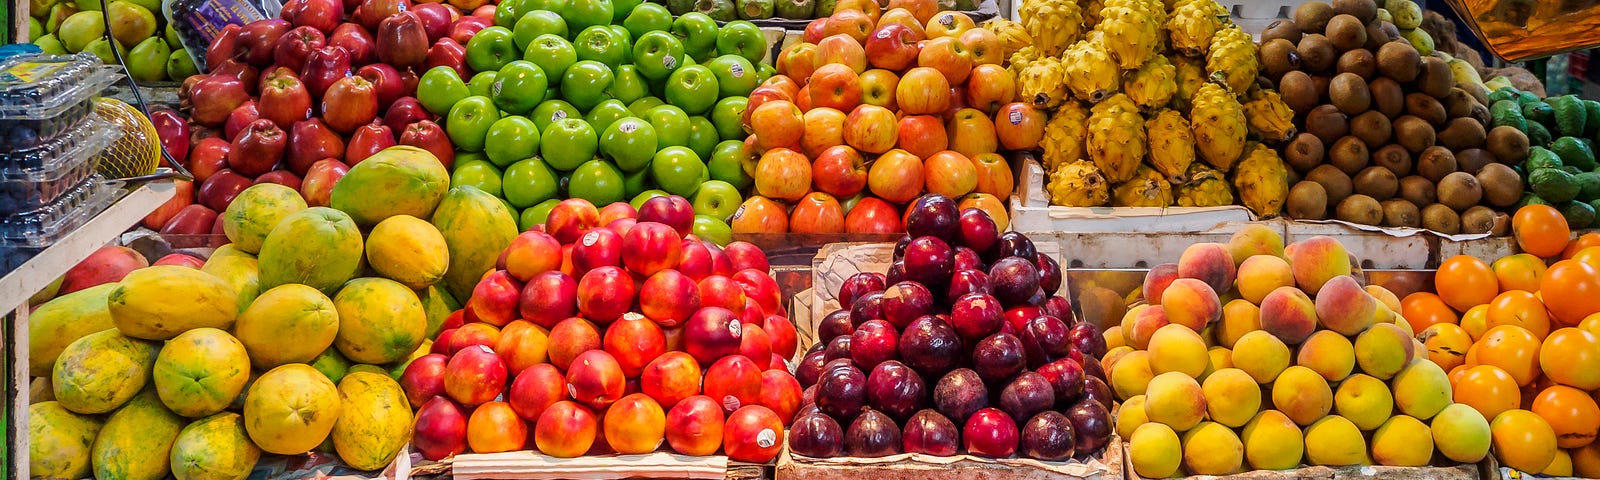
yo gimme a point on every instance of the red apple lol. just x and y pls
(824, 129)
(877, 88)
(322, 15)
(325, 66)
(813, 32)
(214, 98)
(840, 171)
(896, 176)
(948, 56)
(310, 140)
(367, 141)
(195, 219)
(903, 15)
(280, 177)
(842, 49)
(990, 86)
(402, 40)
(948, 24)
(835, 86)
(1019, 126)
(258, 39)
(971, 133)
(446, 52)
(817, 213)
(350, 103)
(183, 196)
(466, 27)
(436, 19)
(404, 112)
(295, 46)
(871, 129)
(984, 46)
(994, 175)
(357, 42)
(239, 118)
(923, 91)
(219, 191)
(922, 135)
(386, 82)
(210, 155)
(855, 24)
(893, 46)
(431, 137)
(873, 215)
(173, 130)
(258, 148)
(760, 96)
(226, 46)
(798, 61)
(319, 180)
(246, 73)
(284, 99)
(370, 13)
(759, 214)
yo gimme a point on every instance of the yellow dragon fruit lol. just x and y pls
(1219, 126)
(1091, 72)
(1041, 83)
(1013, 36)
(1191, 74)
(1091, 11)
(1233, 57)
(1065, 135)
(1263, 181)
(1132, 30)
(1193, 23)
(1053, 24)
(1171, 144)
(1020, 59)
(1147, 188)
(1269, 117)
(1153, 84)
(1078, 184)
(1206, 188)
(1116, 138)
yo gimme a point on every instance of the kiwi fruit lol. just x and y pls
(1399, 61)
(1346, 32)
(1472, 160)
(1436, 162)
(1304, 152)
(1307, 201)
(1322, 81)
(1360, 209)
(1479, 112)
(1279, 57)
(1363, 10)
(1414, 133)
(1376, 37)
(1508, 144)
(1400, 213)
(1328, 123)
(1312, 16)
(1376, 182)
(1372, 126)
(1442, 219)
(1317, 53)
(1418, 190)
(1334, 182)
(1459, 191)
(1462, 133)
(1349, 154)
(1299, 91)
(1502, 187)
(1458, 103)
(1360, 62)
(1393, 157)
(1284, 29)
(1434, 78)
(1349, 93)
(1477, 220)
(1426, 107)
(1387, 96)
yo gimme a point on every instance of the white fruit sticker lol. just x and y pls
(883, 33)
(485, 349)
(669, 61)
(558, 116)
(590, 238)
(628, 127)
(735, 329)
(947, 19)
(494, 90)
(1015, 117)
(572, 391)
(766, 438)
(730, 403)
(739, 212)
(737, 70)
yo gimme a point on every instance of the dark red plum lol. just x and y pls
(858, 285)
(933, 215)
(1017, 317)
(1060, 307)
(1088, 339)
(839, 348)
(1014, 280)
(835, 325)
(866, 307)
(1091, 426)
(930, 346)
(1047, 436)
(1015, 244)
(960, 394)
(1096, 390)
(842, 390)
(810, 367)
(998, 358)
(1044, 339)
(808, 398)
(1038, 298)
(896, 272)
(976, 230)
(968, 259)
(873, 343)
(900, 250)
(1066, 380)
(1049, 273)
(809, 408)
(816, 435)
(968, 281)
(872, 434)
(990, 433)
(905, 301)
(929, 261)
(930, 433)
(896, 390)
(975, 316)
(1092, 367)
(1027, 395)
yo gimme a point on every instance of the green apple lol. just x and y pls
(552, 54)
(171, 36)
(601, 44)
(692, 88)
(636, 182)
(628, 85)
(703, 137)
(678, 171)
(568, 143)
(581, 14)
(717, 199)
(477, 173)
(845, 204)
(549, 5)
(712, 230)
(736, 77)
(621, 8)
(647, 17)
(536, 215)
(672, 125)
(698, 32)
(551, 111)
(529, 182)
(81, 28)
(492, 48)
(511, 139)
(638, 200)
(658, 54)
(52, 46)
(536, 23)
(642, 106)
(727, 116)
(598, 182)
(469, 121)
(630, 143)
(607, 112)
(727, 163)
(440, 88)
(179, 64)
(482, 84)
(147, 61)
(102, 48)
(519, 87)
(744, 39)
(585, 83)
(505, 14)
(765, 71)
(626, 37)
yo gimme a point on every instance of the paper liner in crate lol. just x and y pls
(912, 466)
(534, 465)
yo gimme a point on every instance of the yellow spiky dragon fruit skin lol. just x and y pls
(1219, 126)
(1233, 57)
(1041, 84)
(1206, 188)
(1078, 184)
(1153, 84)
(1192, 24)
(1132, 30)
(1147, 188)
(1262, 180)
(1116, 138)
(1065, 135)
(1091, 11)
(1053, 24)
(1091, 73)
(1012, 35)
(1191, 74)
(1269, 117)
(1171, 144)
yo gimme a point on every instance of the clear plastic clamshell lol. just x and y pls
(39, 87)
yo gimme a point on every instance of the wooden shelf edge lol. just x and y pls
(17, 286)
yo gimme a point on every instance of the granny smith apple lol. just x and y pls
(477, 173)
(717, 199)
(581, 14)
(636, 182)
(550, 5)
(626, 38)
(621, 8)
(678, 171)
(630, 143)
(744, 39)
(607, 112)
(642, 106)
(147, 61)
(735, 75)
(703, 136)
(657, 55)
(672, 125)
(712, 230)
(692, 88)
(440, 88)
(505, 14)
(638, 200)
(598, 182)
(536, 23)
(462, 157)
(511, 139)
(727, 116)
(492, 48)
(553, 110)
(469, 121)
(179, 63)
(482, 84)
(601, 44)
(51, 45)
(552, 54)
(647, 17)
(766, 71)
(698, 32)
(568, 143)
(529, 182)
(628, 85)
(519, 87)
(536, 215)
(585, 84)
(727, 163)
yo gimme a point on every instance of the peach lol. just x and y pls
(1130, 374)
(735, 381)
(1191, 303)
(1239, 317)
(569, 338)
(1155, 282)
(536, 389)
(635, 424)
(494, 427)
(670, 378)
(1210, 263)
(1302, 394)
(781, 393)
(522, 344)
(634, 341)
(1232, 397)
(1260, 275)
(1344, 307)
(753, 434)
(669, 297)
(694, 426)
(595, 379)
(1329, 354)
(1384, 296)
(1317, 260)
(1175, 400)
(1288, 314)
(1364, 401)
(495, 299)
(1384, 350)
(473, 334)
(1175, 348)
(1140, 324)
(1261, 355)
(1255, 239)
(565, 430)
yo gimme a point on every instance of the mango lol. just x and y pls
(1232, 397)
(408, 250)
(1403, 441)
(1329, 354)
(102, 371)
(241, 271)
(1176, 348)
(1155, 451)
(1364, 401)
(1131, 416)
(291, 409)
(374, 420)
(1560, 466)
(380, 321)
(1239, 317)
(1261, 355)
(1334, 441)
(60, 441)
(319, 247)
(214, 448)
(62, 321)
(255, 211)
(477, 227)
(1288, 314)
(1316, 260)
(1422, 389)
(1254, 240)
(1344, 306)
(162, 301)
(1272, 441)
(1383, 350)
(136, 442)
(1260, 275)
(1175, 400)
(1302, 394)
(200, 372)
(1131, 374)
(400, 180)
(1211, 448)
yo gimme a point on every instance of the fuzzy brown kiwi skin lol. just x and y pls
(1401, 213)
(1363, 10)
(1312, 16)
(1434, 78)
(1284, 29)
(1360, 62)
(1502, 187)
(1472, 160)
(1349, 93)
(1434, 163)
(1461, 134)
(1307, 201)
(1304, 152)
(1418, 190)
(1458, 103)
(1376, 182)
(1399, 61)
(1414, 133)
(1334, 182)
(1317, 53)
(1442, 219)
(1349, 154)
(1387, 96)
(1373, 127)
(1299, 91)
(1477, 220)
(1508, 144)
(1360, 209)
(1427, 108)
(1393, 157)
(1460, 191)
(1279, 57)
(1346, 32)
(1327, 123)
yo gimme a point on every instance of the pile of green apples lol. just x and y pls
(578, 99)
(148, 44)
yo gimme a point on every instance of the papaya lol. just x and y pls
(438, 304)
(477, 227)
(290, 323)
(60, 441)
(400, 180)
(214, 448)
(408, 250)
(228, 250)
(332, 364)
(257, 209)
(63, 320)
(374, 421)
(136, 442)
(101, 371)
(366, 368)
(240, 270)
(200, 372)
(162, 301)
(319, 247)
(291, 409)
(380, 320)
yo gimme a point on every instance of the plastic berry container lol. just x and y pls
(33, 178)
(26, 134)
(44, 87)
(44, 225)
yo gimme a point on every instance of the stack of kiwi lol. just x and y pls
(1388, 137)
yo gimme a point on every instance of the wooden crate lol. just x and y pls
(1475, 471)
(527, 464)
(963, 467)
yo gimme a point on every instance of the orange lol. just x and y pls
(1447, 345)
(1578, 244)
(1456, 374)
(1519, 308)
(1571, 412)
(1523, 440)
(1540, 230)
(1465, 281)
(1571, 357)
(1586, 461)
(1589, 256)
(1487, 389)
(1423, 309)
(1518, 272)
(1512, 349)
(1572, 290)
(1476, 321)
(1591, 323)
